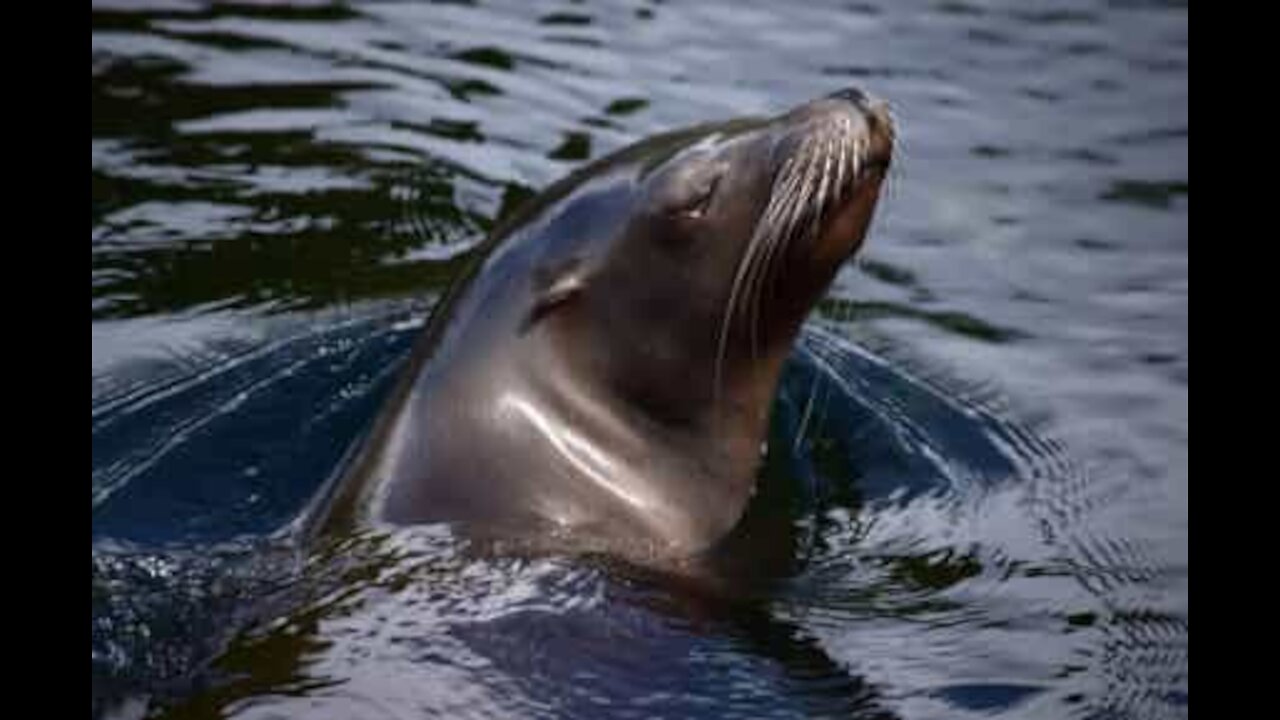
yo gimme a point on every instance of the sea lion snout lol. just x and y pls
(876, 109)
(850, 126)
(829, 158)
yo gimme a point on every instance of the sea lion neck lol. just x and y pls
(684, 484)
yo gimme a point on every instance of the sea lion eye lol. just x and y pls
(701, 200)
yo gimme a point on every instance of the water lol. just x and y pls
(979, 453)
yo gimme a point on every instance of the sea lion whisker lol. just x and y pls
(802, 200)
(818, 202)
(843, 159)
(808, 405)
(766, 238)
(824, 187)
(859, 148)
(784, 201)
(726, 321)
(796, 200)
(742, 271)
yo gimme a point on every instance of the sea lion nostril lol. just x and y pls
(853, 95)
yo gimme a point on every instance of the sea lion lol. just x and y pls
(606, 368)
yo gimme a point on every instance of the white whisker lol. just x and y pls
(779, 205)
(745, 264)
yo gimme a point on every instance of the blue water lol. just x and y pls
(978, 459)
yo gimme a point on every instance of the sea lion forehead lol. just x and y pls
(588, 205)
(582, 218)
(676, 148)
(592, 213)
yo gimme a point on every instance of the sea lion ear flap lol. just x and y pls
(556, 284)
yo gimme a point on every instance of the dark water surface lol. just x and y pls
(979, 453)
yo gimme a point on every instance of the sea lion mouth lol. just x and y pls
(877, 166)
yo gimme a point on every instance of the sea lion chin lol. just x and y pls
(606, 367)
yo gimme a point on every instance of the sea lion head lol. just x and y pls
(607, 364)
(732, 233)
